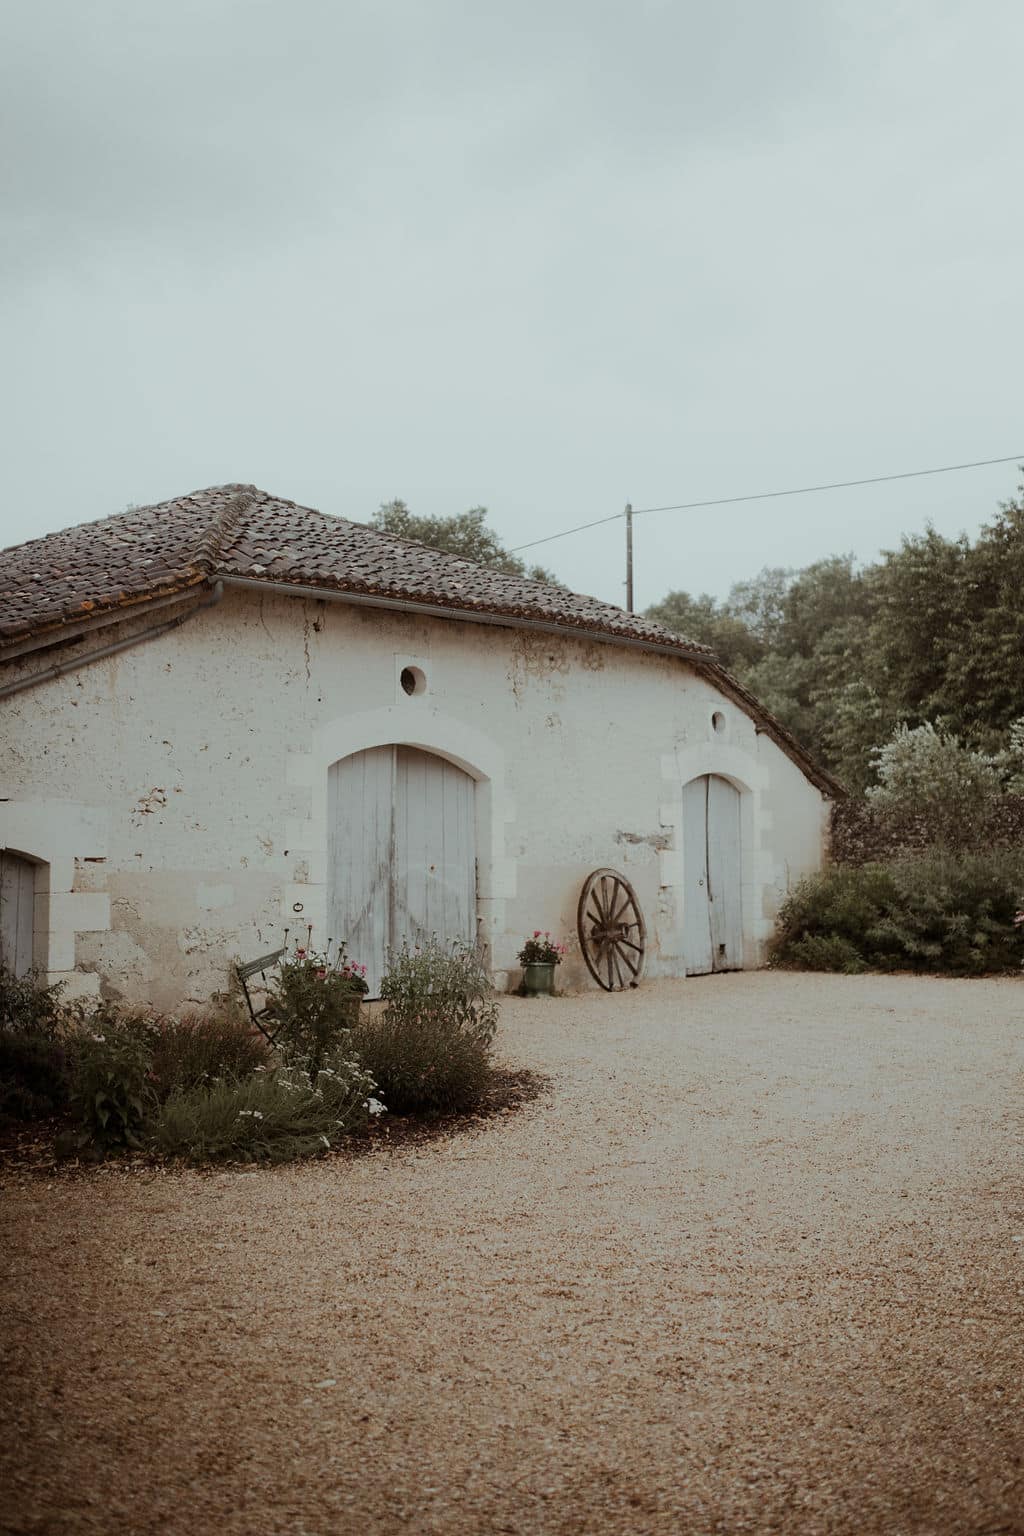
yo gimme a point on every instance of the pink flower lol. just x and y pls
(300, 954)
(536, 933)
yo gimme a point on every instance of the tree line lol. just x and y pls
(930, 634)
(849, 658)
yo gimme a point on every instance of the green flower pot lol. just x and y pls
(539, 980)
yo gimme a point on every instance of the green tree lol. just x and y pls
(983, 685)
(760, 603)
(930, 773)
(827, 599)
(799, 640)
(704, 620)
(922, 614)
(465, 534)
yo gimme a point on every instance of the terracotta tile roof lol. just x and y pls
(237, 530)
(130, 558)
(68, 581)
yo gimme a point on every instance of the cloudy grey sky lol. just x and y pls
(546, 257)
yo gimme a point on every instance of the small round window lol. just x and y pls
(718, 723)
(413, 680)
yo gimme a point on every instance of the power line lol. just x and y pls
(800, 490)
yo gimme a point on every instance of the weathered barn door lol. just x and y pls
(402, 853)
(712, 894)
(17, 900)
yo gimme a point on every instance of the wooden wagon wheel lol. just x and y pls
(613, 934)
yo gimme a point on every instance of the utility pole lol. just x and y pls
(629, 557)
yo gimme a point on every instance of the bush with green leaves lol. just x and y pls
(274, 1115)
(928, 774)
(429, 1047)
(196, 1048)
(313, 1002)
(953, 915)
(111, 1090)
(28, 1005)
(34, 1076)
(34, 1069)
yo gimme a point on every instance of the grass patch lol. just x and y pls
(273, 1116)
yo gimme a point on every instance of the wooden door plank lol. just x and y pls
(360, 856)
(435, 823)
(697, 951)
(17, 912)
(411, 873)
(725, 874)
(458, 797)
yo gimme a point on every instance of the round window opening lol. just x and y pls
(718, 722)
(413, 680)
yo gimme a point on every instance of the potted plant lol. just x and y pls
(538, 958)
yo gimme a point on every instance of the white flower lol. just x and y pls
(243, 1112)
(375, 1106)
(100, 1039)
(257, 1114)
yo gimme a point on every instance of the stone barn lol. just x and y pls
(229, 716)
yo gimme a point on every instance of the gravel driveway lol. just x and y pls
(754, 1263)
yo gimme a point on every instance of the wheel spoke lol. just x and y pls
(625, 960)
(603, 900)
(618, 968)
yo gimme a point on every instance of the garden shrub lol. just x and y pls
(34, 1076)
(824, 952)
(28, 1005)
(429, 1048)
(928, 774)
(952, 915)
(34, 1080)
(197, 1048)
(313, 1003)
(111, 1088)
(274, 1115)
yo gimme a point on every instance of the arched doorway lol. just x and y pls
(712, 875)
(17, 912)
(401, 853)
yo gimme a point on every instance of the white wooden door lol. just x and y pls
(402, 853)
(712, 874)
(697, 951)
(360, 856)
(725, 887)
(17, 903)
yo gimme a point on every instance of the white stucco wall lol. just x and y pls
(178, 792)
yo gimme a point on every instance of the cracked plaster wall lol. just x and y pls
(203, 757)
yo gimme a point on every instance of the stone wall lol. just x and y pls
(862, 834)
(204, 756)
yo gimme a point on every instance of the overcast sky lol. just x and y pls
(545, 256)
